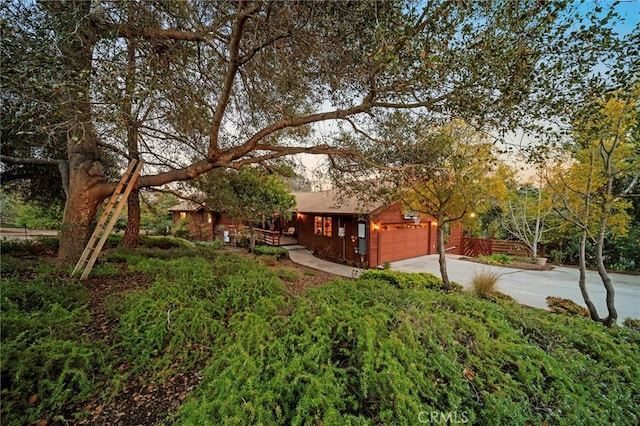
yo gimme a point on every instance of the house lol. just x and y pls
(364, 234)
(201, 221)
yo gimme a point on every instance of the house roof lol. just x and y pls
(332, 201)
(186, 206)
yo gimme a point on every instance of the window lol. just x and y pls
(322, 226)
(327, 227)
(183, 215)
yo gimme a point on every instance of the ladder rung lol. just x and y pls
(103, 228)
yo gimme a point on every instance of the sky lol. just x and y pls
(628, 9)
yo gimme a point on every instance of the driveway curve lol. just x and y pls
(532, 287)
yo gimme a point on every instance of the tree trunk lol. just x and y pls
(442, 260)
(81, 206)
(252, 239)
(132, 231)
(612, 316)
(582, 280)
(87, 187)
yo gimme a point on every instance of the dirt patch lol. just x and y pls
(139, 402)
(308, 278)
(102, 289)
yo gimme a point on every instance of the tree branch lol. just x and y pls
(62, 165)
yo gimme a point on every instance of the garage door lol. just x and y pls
(401, 244)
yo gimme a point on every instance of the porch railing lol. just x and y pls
(265, 236)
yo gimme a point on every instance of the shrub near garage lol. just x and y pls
(278, 252)
(407, 280)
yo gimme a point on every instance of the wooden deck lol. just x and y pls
(274, 238)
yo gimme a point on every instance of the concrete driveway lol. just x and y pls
(532, 287)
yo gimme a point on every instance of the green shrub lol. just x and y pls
(32, 247)
(365, 352)
(215, 244)
(484, 282)
(497, 296)
(105, 270)
(113, 240)
(497, 259)
(632, 323)
(41, 354)
(406, 280)
(181, 317)
(559, 305)
(287, 274)
(180, 229)
(58, 372)
(279, 252)
(164, 242)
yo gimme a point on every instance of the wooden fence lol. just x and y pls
(473, 247)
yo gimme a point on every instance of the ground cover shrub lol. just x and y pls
(215, 244)
(558, 305)
(632, 323)
(406, 280)
(279, 252)
(143, 254)
(105, 270)
(366, 352)
(182, 317)
(287, 274)
(484, 282)
(45, 365)
(31, 247)
(497, 259)
(164, 242)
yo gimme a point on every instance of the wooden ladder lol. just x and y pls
(102, 231)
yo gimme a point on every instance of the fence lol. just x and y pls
(473, 247)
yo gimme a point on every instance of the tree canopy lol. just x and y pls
(231, 83)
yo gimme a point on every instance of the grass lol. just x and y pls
(377, 350)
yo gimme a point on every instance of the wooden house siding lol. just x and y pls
(199, 227)
(389, 236)
(335, 247)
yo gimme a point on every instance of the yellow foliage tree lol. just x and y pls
(463, 178)
(597, 179)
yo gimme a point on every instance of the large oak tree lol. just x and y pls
(230, 83)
